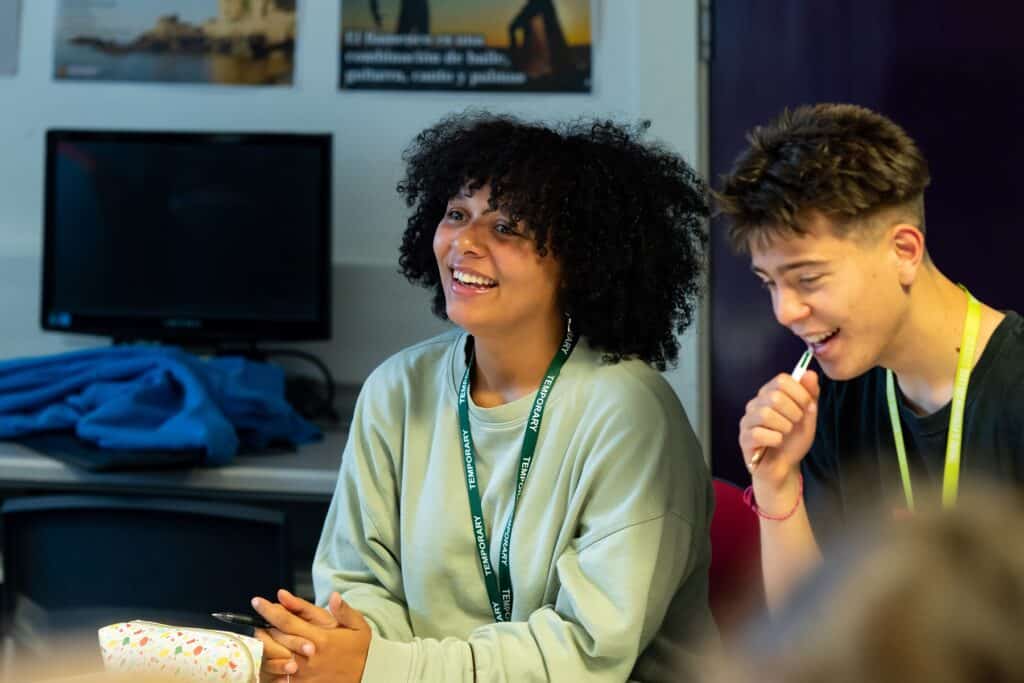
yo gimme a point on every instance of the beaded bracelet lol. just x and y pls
(748, 499)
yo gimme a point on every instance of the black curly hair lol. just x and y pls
(625, 219)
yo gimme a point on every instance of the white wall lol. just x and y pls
(645, 66)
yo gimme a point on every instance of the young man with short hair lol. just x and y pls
(828, 201)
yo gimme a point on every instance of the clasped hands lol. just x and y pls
(310, 643)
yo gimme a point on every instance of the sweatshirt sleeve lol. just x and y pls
(358, 550)
(639, 560)
(594, 632)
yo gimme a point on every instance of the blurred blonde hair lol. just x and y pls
(936, 597)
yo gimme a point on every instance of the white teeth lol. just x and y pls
(470, 279)
(818, 338)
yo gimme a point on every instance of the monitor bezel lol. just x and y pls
(181, 329)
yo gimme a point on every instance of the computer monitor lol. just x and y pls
(188, 237)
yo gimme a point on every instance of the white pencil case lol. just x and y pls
(194, 654)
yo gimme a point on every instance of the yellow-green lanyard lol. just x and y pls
(954, 438)
(499, 588)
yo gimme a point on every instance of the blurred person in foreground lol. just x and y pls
(935, 597)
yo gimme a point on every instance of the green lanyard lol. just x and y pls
(499, 589)
(951, 475)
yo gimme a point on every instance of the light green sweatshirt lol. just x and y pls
(610, 548)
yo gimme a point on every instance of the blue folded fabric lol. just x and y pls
(154, 398)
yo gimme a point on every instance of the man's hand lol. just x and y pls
(781, 419)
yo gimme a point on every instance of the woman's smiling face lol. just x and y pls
(493, 277)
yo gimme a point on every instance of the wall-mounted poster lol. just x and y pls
(234, 42)
(517, 45)
(8, 37)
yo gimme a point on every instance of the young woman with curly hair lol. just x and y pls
(523, 499)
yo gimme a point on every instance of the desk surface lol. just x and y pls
(307, 474)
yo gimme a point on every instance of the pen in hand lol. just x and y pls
(255, 621)
(797, 373)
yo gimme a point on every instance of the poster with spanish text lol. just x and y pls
(498, 45)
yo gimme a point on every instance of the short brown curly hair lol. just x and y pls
(842, 160)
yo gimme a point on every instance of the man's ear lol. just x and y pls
(907, 244)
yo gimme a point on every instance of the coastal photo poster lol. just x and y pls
(499, 45)
(9, 25)
(222, 42)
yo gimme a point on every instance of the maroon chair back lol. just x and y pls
(735, 586)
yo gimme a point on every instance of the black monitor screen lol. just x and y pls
(199, 236)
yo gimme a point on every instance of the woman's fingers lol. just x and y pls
(306, 610)
(283, 620)
(294, 644)
(280, 667)
(271, 648)
(346, 615)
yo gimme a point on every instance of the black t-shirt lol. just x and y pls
(852, 466)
